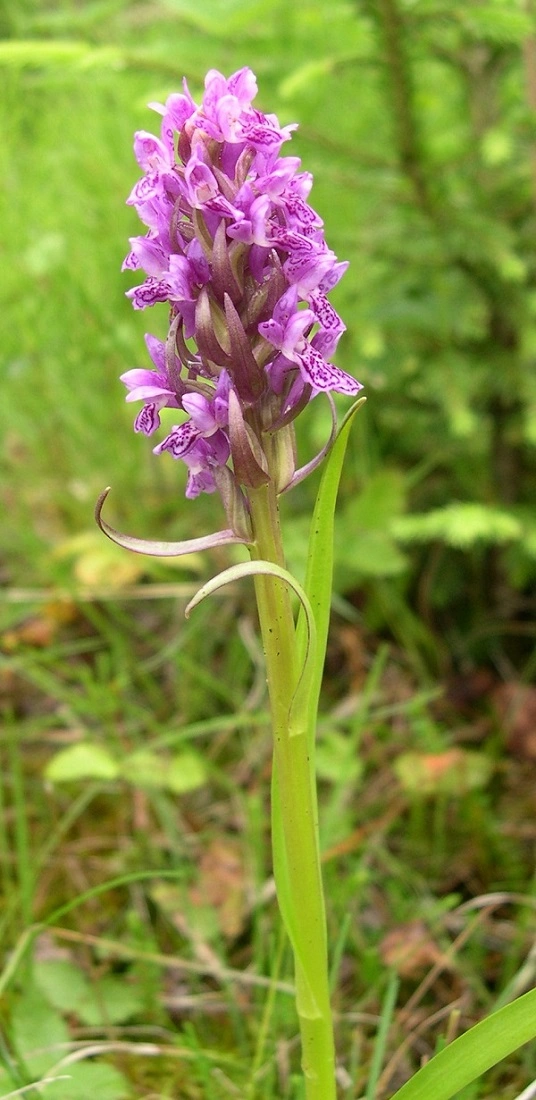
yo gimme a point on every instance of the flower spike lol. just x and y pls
(234, 248)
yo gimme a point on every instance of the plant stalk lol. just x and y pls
(294, 815)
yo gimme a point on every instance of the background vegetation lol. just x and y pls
(135, 749)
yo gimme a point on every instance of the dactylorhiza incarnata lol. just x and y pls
(239, 255)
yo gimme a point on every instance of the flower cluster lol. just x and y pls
(239, 255)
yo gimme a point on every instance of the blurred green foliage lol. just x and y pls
(417, 118)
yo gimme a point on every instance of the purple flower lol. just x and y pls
(288, 329)
(238, 254)
(153, 387)
(201, 441)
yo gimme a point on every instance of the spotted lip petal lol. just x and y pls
(324, 376)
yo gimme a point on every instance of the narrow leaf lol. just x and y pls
(307, 1005)
(299, 704)
(163, 549)
(486, 1044)
(319, 573)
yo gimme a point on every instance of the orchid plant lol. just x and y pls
(234, 248)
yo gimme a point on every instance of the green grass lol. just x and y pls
(185, 954)
(139, 928)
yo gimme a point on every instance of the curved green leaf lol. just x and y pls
(300, 700)
(319, 573)
(486, 1044)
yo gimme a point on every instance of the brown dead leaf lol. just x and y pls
(453, 772)
(466, 690)
(221, 884)
(515, 704)
(410, 950)
(355, 658)
(41, 629)
(96, 561)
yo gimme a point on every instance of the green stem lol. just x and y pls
(295, 833)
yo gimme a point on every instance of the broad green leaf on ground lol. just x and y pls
(62, 983)
(86, 760)
(186, 771)
(83, 1079)
(42, 1043)
(337, 759)
(39, 1033)
(110, 1000)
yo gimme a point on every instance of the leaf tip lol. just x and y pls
(99, 506)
